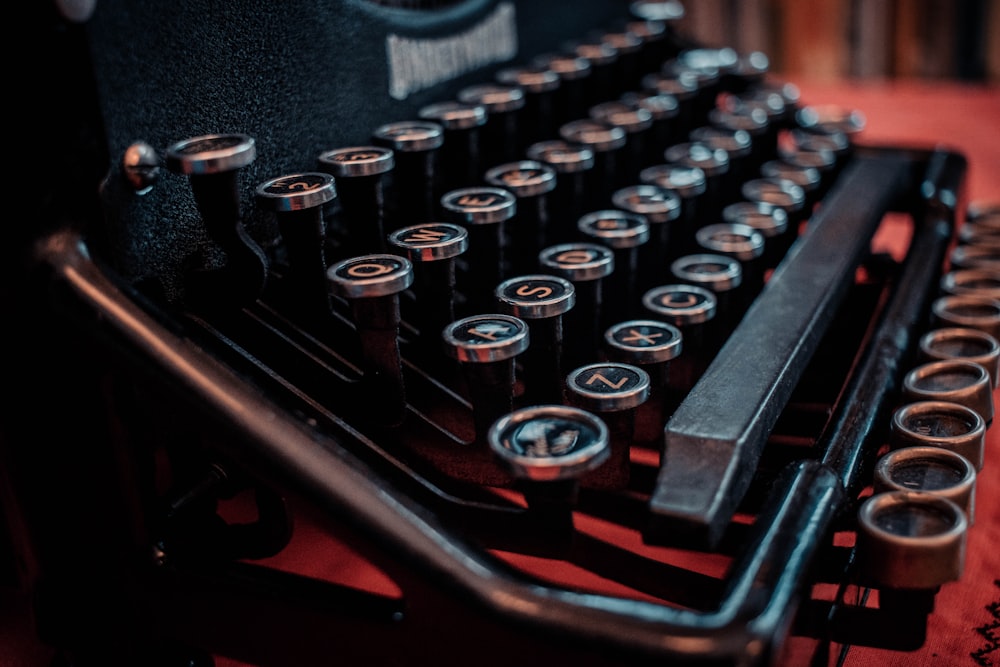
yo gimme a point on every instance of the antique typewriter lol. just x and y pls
(438, 332)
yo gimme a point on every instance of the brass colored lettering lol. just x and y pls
(599, 377)
(368, 270)
(540, 291)
(637, 336)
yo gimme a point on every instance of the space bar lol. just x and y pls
(714, 439)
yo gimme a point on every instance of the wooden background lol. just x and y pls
(830, 39)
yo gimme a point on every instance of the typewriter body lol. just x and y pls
(251, 431)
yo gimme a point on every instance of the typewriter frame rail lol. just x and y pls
(498, 615)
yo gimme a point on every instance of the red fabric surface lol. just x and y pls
(964, 629)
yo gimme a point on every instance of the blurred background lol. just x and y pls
(835, 39)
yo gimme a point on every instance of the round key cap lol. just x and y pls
(574, 74)
(966, 310)
(689, 184)
(297, 201)
(550, 442)
(954, 380)
(540, 86)
(461, 155)
(571, 162)
(359, 172)
(371, 284)
(531, 183)
(974, 282)
(771, 221)
(415, 187)
(637, 124)
(212, 163)
(661, 208)
(940, 424)
(963, 343)
(940, 472)
(720, 274)
(691, 309)
(647, 343)
(486, 347)
(586, 265)
(624, 233)
(432, 248)
(484, 212)
(744, 244)
(503, 103)
(714, 164)
(540, 300)
(663, 108)
(607, 142)
(613, 391)
(911, 540)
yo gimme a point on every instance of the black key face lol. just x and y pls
(618, 229)
(483, 338)
(735, 240)
(537, 296)
(455, 115)
(550, 442)
(533, 79)
(681, 305)
(495, 98)
(213, 153)
(660, 106)
(717, 272)
(599, 136)
(939, 424)
(927, 474)
(297, 191)
(480, 205)
(736, 142)
(370, 276)
(915, 521)
(619, 114)
(644, 341)
(578, 261)
(410, 136)
(358, 161)
(657, 204)
(609, 386)
(525, 178)
(431, 241)
(710, 160)
(686, 180)
(563, 156)
(769, 220)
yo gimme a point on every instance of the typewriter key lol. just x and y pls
(940, 424)
(298, 201)
(603, 58)
(371, 284)
(637, 124)
(461, 154)
(503, 104)
(932, 470)
(969, 256)
(689, 308)
(966, 310)
(910, 540)
(531, 182)
(484, 212)
(432, 248)
(714, 164)
(540, 86)
(787, 196)
(541, 301)
(359, 172)
(550, 443)
(571, 163)
(628, 46)
(574, 72)
(661, 208)
(613, 391)
(683, 87)
(212, 163)
(963, 343)
(738, 145)
(624, 233)
(805, 176)
(690, 185)
(586, 265)
(646, 343)
(723, 276)
(415, 183)
(663, 108)
(954, 380)
(976, 282)
(771, 221)
(744, 244)
(486, 347)
(607, 142)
